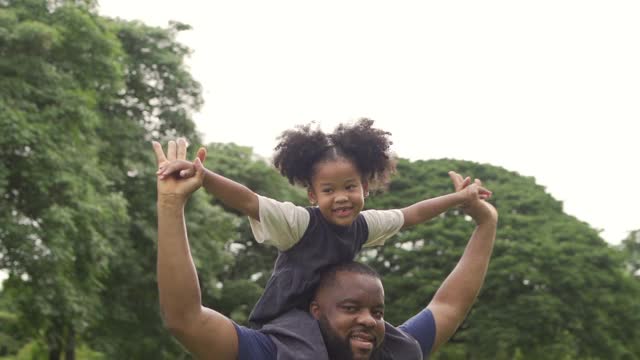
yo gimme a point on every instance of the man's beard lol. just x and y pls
(337, 347)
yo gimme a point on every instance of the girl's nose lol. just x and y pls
(341, 198)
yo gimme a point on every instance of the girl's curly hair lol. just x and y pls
(301, 148)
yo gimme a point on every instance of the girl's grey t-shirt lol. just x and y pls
(307, 243)
(282, 224)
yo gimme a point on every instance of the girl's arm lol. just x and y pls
(428, 209)
(273, 222)
(231, 193)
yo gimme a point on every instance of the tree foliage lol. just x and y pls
(81, 96)
(58, 210)
(631, 249)
(554, 289)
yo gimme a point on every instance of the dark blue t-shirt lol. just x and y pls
(255, 345)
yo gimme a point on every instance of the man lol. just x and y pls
(350, 325)
(349, 308)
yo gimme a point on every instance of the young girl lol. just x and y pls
(338, 171)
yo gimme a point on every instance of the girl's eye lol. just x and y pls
(378, 314)
(350, 309)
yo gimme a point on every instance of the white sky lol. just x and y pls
(549, 89)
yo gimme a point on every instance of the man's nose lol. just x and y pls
(366, 319)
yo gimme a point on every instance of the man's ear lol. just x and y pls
(314, 309)
(365, 188)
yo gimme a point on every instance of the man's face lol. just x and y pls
(350, 314)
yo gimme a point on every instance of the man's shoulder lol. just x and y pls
(399, 344)
(254, 344)
(422, 327)
(296, 335)
(293, 333)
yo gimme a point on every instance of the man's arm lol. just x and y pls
(458, 292)
(428, 209)
(206, 333)
(231, 193)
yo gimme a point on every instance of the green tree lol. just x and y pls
(554, 290)
(58, 214)
(631, 248)
(155, 102)
(10, 341)
(80, 98)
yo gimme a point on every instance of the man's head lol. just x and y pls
(349, 306)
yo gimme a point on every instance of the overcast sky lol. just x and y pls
(550, 89)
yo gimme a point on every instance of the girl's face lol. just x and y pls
(338, 190)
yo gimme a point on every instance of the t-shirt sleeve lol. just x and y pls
(281, 224)
(382, 225)
(254, 345)
(422, 327)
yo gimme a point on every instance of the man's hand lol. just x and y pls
(181, 167)
(476, 195)
(175, 186)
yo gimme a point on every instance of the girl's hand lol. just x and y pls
(475, 195)
(470, 191)
(177, 168)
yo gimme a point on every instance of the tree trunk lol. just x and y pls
(54, 344)
(54, 354)
(70, 346)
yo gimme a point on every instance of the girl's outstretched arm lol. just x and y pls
(426, 210)
(231, 193)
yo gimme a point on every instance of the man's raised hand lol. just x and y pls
(178, 165)
(176, 158)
